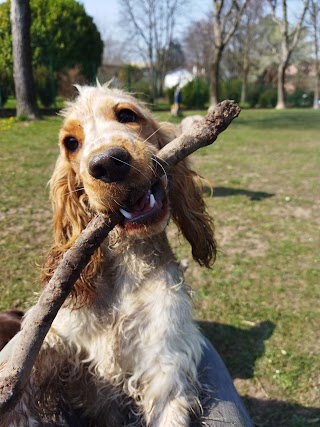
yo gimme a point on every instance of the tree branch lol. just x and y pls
(273, 5)
(17, 369)
(233, 15)
(298, 28)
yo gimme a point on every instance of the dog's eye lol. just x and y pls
(126, 116)
(71, 143)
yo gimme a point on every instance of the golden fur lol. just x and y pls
(124, 342)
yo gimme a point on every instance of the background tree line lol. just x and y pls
(246, 48)
(242, 49)
(63, 37)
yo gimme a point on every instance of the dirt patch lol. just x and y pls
(287, 211)
(235, 240)
(27, 221)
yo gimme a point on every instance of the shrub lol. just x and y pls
(133, 79)
(195, 94)
(231, 89)
(169, 93)
(128, 75)
(254, 92)
(268, 98)
(44, 85)
(3, 95)
(6, 84)
(141, 90)
(300, 98)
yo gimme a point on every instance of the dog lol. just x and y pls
(123, 349)
(10, 323)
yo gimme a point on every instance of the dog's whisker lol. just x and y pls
(117, 203)
(154, 158)
(150, 136)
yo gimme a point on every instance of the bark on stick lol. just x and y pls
(17, 370)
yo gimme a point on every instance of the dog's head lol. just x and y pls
(108, 143)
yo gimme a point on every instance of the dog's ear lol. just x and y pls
(187, 204)
(71, 214)
(190, 215)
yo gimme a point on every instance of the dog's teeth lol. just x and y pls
(152, 200)
(126, 214)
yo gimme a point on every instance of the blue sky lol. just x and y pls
(106, 13)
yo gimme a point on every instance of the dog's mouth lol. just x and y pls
(151, 208)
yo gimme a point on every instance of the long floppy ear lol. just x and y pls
(190, 215)
(71, 214)
(188, 207)
(69, 202)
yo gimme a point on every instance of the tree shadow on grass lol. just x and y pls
(228, 191)
(275, 413)
(240, 349)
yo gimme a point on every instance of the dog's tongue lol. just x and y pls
(141, 203)
(144, 204)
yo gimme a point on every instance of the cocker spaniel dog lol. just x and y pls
(123, 349)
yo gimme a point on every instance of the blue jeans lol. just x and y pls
(221, 404)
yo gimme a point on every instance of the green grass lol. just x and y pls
(259, 304)
(11, 102)
(28, 152)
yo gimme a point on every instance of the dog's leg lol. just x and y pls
(161, 348)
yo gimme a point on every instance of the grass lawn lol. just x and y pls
(11, 103)
(259, 305)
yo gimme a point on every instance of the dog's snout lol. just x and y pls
(110, 165)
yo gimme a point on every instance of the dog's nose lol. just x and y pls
(110, 165)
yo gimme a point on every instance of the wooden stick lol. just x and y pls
(17, 369)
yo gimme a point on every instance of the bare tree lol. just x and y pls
(226, 18)
(22, 59)
(249, 37)
(153, 24)
(242, 56)
(314, 18)
(199, 45)
(115, 51)
(289, 41)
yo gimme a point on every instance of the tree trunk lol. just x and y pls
(314, 14)
(152, 82)
(316, 88)
(244, 87)
(214, 78)
(316, 78)
(289, 40)
(22, 59)
(281, 104)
